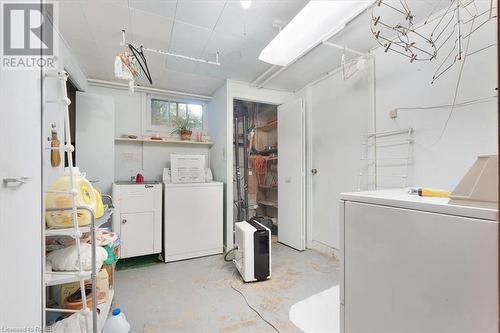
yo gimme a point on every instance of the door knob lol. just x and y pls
(314, 171)
(124, 221)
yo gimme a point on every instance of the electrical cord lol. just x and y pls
(250, 306)
(228, 252)
(448, 106)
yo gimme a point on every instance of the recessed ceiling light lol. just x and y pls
(246, 3)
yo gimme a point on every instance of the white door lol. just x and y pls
(291, 174)
(20, 199)
(340, 113)
(137, 234)
(95, 138)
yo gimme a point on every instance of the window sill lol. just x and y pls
(164, 141)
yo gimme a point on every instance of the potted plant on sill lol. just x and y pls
(183, 126)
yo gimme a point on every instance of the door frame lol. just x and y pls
(249, 94)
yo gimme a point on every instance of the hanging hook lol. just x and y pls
(123, 38)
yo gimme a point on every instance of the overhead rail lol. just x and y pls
(170, 54)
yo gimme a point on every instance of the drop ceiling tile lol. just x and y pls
(168, 79)
(179, 65)
(188, 40)
(107, 38)
(238, 57)
(257, 21)
(164, 8)
(95, 66)
(203, 13)
(72, 21)
(150, 28)
(106, 14)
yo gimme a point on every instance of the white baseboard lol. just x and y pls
(325, 249)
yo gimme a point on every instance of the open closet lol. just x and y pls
(255, 168)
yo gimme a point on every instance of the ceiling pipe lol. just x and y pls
(116, 85)
(282, 69)
(346, 49)
(255, 82)
(324, 42)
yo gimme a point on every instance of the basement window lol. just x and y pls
(164, 115)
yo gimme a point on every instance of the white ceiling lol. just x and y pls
(196, 28)
(200, 28)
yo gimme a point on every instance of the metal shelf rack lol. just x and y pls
(76, 232)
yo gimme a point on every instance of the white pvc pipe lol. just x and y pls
(109, 84)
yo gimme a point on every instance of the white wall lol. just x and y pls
(95, 135)
(132, 158)
(471, 131)
(217, 118)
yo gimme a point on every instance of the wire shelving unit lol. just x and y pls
(93, 321)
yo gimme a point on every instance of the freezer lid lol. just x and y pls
(401, 199)
(208, 184)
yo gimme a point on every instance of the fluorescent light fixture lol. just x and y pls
(317, 21)
(246, 3)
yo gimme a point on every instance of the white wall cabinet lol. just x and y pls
(138, 218)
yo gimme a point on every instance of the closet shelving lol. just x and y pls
(269, 126)
(266, 137)
(255, 161)
(93, 321)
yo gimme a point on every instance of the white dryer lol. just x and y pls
(193, 220)
(413, 264)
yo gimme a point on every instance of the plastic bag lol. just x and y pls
(125, 68)
(67, 259)
(74, 323)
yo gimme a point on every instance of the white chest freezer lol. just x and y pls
(413, 264)
(193, 220)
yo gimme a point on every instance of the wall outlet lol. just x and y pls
(393, 114)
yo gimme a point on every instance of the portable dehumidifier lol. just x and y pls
(253, 251)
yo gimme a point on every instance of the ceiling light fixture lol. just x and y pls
(246, 3)
(317, 21)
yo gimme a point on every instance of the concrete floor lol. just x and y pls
(196, 296)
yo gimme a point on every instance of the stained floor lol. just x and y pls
(196, 295)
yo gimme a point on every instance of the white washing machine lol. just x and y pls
(193, 220)
(413, 264)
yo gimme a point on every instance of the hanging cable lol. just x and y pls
(457, 88)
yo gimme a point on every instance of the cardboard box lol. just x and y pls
(61, 292)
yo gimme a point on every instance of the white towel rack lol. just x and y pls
(373, 160)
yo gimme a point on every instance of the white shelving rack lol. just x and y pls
(93, 321)
(385, 160)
